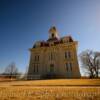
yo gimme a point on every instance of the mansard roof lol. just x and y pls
(54, 40)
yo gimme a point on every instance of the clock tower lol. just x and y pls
(53, 33)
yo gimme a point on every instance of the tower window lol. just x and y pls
(52, 35)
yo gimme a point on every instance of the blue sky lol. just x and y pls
(22, 22)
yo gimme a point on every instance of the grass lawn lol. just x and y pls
(56, 89)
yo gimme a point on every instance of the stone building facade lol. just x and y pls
(54, 58)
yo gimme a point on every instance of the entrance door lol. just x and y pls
(52, 68)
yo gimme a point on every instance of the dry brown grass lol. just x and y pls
(58, 89)
(55, 82)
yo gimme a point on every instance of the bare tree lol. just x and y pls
(91, 62)
(11, 70)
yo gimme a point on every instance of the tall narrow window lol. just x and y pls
(35, 68)
(69, 66)
(67, 54)
(36, 58)
(51, 56)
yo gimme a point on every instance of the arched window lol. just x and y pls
(52, 35)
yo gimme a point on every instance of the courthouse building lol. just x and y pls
(54, 58)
